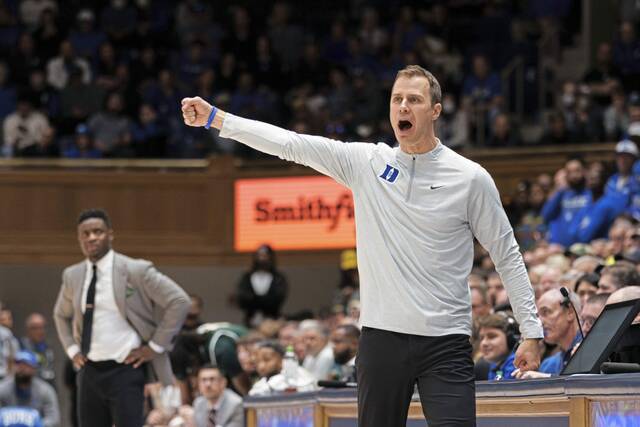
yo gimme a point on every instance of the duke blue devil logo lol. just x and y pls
(390, 174)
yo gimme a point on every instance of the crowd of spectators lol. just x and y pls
(104, 78)
(217, 363)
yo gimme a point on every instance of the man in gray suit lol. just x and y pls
(115, 316)
(217, 406)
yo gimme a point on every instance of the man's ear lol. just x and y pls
(437, 109)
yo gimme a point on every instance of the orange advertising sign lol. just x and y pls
(297, 213)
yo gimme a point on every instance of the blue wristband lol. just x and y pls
(212, 115)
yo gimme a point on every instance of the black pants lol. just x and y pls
(388, 366)
(110, 393)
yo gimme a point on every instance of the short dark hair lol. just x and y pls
(210, 366)
(273, 345)
(350, 330)
(623, 275)
(95, 213)
(417, 71)
(590, 278)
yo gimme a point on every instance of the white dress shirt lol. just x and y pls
(112, 337)
(320, 365)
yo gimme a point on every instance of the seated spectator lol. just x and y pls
(604, 77)
(82, 145)
(588, 124)
(594, 220)
(191, 63)
(623, 181)
(86, 39)
(149, 134)
(591, 310)
(557, 133)
(452, 127)
(218, 341)
(23, 59)
(262, 290)
(31, 11)
(482, 86)
(47, 146)
(49, 35)
(586, 263)
(618, 276)
(79, 101)
(27, 390)
(496, 291)
(217, 405)
(560, 209)
(550, 278)
(24, 128)
(626, 56)
(586, 287)
(319, 358)
(344, 340)
(480, 305)
(288, 334)
(58, 68)
(105, 66)
(111, 128)
(35, 342)
(269, 357)
(45, 98)
(118, 19)
(616, 117)
(163, 95)
(502, 132)
(560, 328)
(615, 245)
(498, 337)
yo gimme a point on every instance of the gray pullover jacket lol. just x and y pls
(416, 216)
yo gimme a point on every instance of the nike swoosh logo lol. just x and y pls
(435, 187)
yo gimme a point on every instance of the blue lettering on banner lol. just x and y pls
(390, 174)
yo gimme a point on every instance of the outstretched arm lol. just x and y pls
(334, 158)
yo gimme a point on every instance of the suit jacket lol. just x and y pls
(153, 304)
(230, 414)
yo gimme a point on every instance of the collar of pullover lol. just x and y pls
(432, 155)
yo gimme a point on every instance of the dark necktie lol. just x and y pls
(211, 420)
(87, 319)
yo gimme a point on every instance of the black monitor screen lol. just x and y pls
(600, 340)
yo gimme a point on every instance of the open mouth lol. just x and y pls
(404, 125)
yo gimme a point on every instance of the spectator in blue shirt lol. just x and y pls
(82, 145)
(561, 327)
(594, 220)
(482, 86)
(624, 182)
(87, 39)
(560, 210)
(498, 335)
